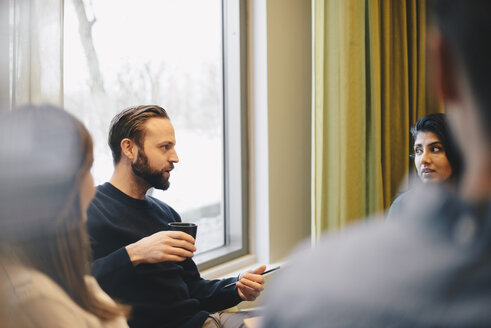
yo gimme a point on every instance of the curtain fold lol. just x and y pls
(369, 88)
(339, 115)
(36, 51)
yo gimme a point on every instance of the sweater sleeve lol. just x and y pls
(211, 293)
(108, 270)
(213, 296)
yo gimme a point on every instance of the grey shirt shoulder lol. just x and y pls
(400, 273)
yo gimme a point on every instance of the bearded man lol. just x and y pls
(137, 260)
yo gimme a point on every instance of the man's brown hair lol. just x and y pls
(129, 124)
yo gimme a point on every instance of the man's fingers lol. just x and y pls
(180, 235)
(253, 277)
(244, 288)
(246, 293)
(259, 270)
(175, 258)
(182, 244)
(178, 251)
(174, 239)
(252, 284)
(162, 246)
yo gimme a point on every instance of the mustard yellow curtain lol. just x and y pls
(369, 88)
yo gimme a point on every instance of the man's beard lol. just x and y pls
(155, 179)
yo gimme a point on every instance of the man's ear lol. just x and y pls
(442, 62)
(129, 149)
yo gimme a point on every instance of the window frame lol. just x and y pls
(5, 35)
(235, 147)
(235, 139)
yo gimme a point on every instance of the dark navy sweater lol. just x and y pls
(167, 294)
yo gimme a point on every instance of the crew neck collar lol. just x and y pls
(134, 202)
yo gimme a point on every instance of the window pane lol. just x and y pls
(165, 52)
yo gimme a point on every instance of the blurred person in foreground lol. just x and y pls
(436, 157)
(432, 266)
(45, 189)
(138, 260)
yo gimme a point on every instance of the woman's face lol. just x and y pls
(87, 191)
(430, 158)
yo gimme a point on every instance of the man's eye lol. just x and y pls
(165, 147)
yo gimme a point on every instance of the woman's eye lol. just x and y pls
(436, 149)
(418, 151)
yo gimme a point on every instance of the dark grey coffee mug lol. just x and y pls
(189, 228)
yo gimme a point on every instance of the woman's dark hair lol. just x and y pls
(437, 123)
(46, 154)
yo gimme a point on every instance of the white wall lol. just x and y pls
(280, 84)
(279, 112)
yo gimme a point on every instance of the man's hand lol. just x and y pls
(251, 284)
(162, 246)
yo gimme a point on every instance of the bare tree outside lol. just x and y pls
(85, 31)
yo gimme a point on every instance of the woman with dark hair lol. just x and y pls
(435, 154)
(436, 157)
(45, 189)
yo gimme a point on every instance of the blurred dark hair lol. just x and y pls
(438, 124)
(129, 124)
(46, 154)
(466, 28)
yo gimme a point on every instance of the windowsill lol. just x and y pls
(239, 265)
(218, 256)
(231, 268)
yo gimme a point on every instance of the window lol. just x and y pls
(185, 56)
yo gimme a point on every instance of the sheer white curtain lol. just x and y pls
(36, 51)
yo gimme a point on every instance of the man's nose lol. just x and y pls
(174, 158)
